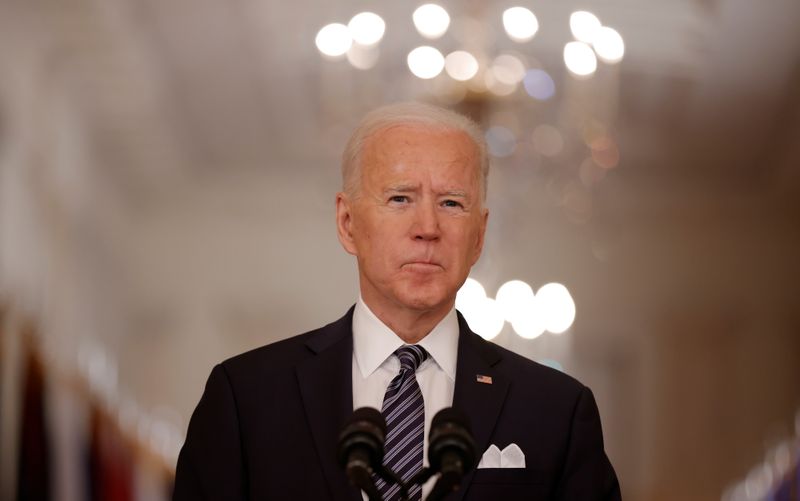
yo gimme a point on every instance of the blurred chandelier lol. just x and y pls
(358, 43)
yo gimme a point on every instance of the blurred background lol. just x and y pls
(167, 179)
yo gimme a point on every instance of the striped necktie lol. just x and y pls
(404, 410)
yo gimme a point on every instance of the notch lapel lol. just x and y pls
(480, 401)
(325, 382)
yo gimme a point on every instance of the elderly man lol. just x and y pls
(412, 212)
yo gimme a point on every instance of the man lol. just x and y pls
(412, 213)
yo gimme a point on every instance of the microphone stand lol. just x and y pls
(444, 485)
(440, 489)
(391, 477)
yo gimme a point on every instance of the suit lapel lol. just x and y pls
(325, 382)
(480, 401)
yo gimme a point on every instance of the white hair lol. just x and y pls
(408, 113)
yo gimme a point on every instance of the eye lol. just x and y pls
(398, 199)
(452, 203)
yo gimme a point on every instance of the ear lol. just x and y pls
(344, 222)
(481, 234)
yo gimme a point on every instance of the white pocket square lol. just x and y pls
(510, 457)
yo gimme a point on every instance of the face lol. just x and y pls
(417, 224)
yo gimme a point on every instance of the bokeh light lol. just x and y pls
(605, 152)
(530, 315)
(584, 26)
(486, 319)
(425, 62)
(609, 45)
(547, 140)
(334, 40)
(497, 87)
(363, 57)
(520, 24)
(557, 307)
(519, 306)
(481, 313)
(501, 141)
(506, 118)
(580, 59)
(470, 295)
(593, 129)
(538, 84)
(461, 65)
(514, 298)
(431, 20)
(530, 326)
(366, 28)
(508, 69)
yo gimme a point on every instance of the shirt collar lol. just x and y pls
(374, 342)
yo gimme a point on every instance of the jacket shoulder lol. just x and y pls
(527, 375)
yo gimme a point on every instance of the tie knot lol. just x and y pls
(411, 356)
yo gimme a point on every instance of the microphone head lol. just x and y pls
(365, 432)
(451, 435)
(452, 416)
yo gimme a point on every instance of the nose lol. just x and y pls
(426, 224)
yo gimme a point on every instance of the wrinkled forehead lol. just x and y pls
(418, 142)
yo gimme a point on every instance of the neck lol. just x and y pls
(410, 325)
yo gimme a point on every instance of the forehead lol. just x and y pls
(410, 145)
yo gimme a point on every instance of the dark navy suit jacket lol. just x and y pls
(266, 427)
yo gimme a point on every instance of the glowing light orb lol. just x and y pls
(609, 45)
(580, 59)
(425, 62)
(556, 306)
(461, 65)
(366, 28)
(539, 85)
(520, 24)
(431, 20)
(334, 40)
(584, 26)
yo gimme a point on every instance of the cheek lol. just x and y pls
(378, 248)
(468, 238)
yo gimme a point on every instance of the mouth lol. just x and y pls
(422, 266)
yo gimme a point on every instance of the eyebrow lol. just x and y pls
(410, 188)
(455, 193)
(401, 188)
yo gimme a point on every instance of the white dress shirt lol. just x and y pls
(374, 366)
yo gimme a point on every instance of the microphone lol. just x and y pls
(360, 449)
(451, 450)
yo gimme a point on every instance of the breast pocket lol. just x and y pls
(508, 484)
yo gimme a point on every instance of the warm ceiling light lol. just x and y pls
(461, 65)
(584, 25)
(334, 40)
(431, 20)
(557, 307)
(366, 28)
(508, 69)
(425, 62)
(363, 57)
(580, 59)
(609, 45)
(520, 24)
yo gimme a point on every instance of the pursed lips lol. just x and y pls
(423, 265)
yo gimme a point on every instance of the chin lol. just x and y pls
(423, 300)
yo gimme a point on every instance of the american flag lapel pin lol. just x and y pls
(483, 379)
